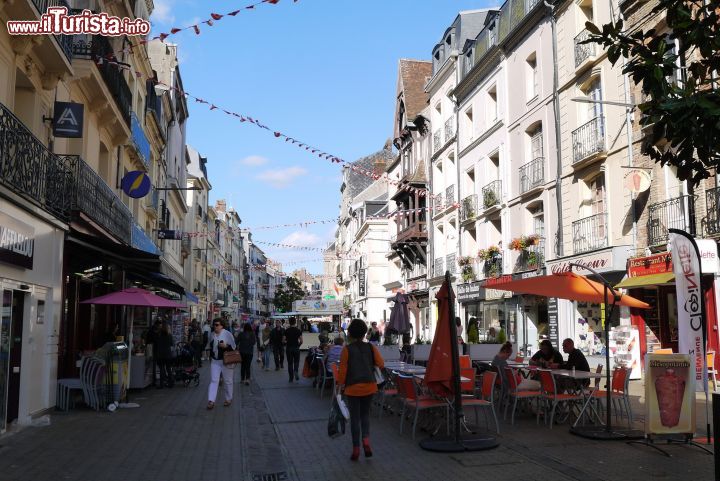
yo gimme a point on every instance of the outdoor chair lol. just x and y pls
(389, 389)
(712, 372)
(465, 362)
(619, 393)
(514, 394)
(326, 376)
(551, 398)
(92, 374)
(468, 388)
(485, 400)
(410, 395)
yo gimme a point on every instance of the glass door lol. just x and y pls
(5, 322)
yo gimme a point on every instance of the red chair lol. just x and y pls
(551, 397)
(465, 362)
(619, 391)
(409, 393)
(514, 394)
(388, 390)
(467, 388)
(486, 398)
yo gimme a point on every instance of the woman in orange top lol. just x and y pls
(357, 378)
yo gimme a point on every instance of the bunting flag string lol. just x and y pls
(295, 224)
(419, 210)
(111, 59)
(214, 17)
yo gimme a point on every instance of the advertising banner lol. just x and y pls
(669, 394)
(690, 303)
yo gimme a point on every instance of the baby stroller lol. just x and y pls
(185, 369)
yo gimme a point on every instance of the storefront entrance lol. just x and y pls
(11, 327)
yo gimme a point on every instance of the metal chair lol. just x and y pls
(409, 393)
(551, 397)
(515, 394)
(486, 398)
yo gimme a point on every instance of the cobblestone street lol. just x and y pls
(277, 428)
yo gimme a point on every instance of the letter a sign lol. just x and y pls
(68, 120)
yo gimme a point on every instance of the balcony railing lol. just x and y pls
(590, 233)
(583, 51)
(64, 41)
(94, 198)
(450, 195)
(437, 140)
(139, 139)
(532, 174)
(468, 208)
(531, 258)
(449, 129)
(439, 267)
(589, 139)
(451, 264)
(30, 170)
(676, 213)
(94, 47)
(492, 193)
(711, 223)
(493, 267)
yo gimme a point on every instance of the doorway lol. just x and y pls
(11, 328)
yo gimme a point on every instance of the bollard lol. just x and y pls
(716, 427)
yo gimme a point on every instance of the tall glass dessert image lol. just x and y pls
(669, 389)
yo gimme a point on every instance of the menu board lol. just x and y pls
(553, 320)
(669, 394)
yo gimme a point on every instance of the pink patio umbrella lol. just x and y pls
(133, 296)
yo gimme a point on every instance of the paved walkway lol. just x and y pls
(277, 431)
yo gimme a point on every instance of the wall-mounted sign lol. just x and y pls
(606, 260)
(552, 309)
(361, 283)
(170, 234)
(470, 292)
(637, 180)
(708, 256)
(68, 120)
(136, 184)
(17, 242)
(645, 266)
(669, 394)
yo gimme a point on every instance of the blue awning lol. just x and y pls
(191, 297)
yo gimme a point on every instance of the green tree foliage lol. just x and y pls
(681, 104)
(286, 294)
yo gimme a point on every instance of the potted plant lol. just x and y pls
(466, 268)
(489, 198)
(490, 253)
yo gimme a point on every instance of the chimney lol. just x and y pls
(221, 205)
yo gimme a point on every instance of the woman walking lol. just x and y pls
(220, 341)
(357, 379)
(246, 345)
(264, 348)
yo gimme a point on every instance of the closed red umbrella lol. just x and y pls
(439, 374)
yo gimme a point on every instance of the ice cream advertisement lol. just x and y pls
(669, 394)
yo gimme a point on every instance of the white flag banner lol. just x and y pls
(686, 267)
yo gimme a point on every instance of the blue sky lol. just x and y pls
(321, 71)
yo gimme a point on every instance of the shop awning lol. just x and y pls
(191, 297)
(651, 280)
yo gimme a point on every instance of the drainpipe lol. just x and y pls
(558, 136)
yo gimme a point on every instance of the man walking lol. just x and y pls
(276, 342)
(293, 341)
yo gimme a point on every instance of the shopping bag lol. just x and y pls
(343, 407)
(336, 422)
(379, 377)
(231, 358)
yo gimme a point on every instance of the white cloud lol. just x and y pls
(281, 178)
(162, 13)
(303, 238)
(254, 160)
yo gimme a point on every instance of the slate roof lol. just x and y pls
(358, 182)
(414, 74)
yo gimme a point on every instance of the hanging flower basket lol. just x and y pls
(523, 242)
(489, 254)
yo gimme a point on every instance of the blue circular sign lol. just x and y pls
(136, 184)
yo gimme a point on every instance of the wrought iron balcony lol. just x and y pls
(468, 208)
(451, 264)
(437, 140)
(450, 195)
(94, 198)
(676, 213)
(531, 258)
(439, 267)
(589, 139)
(492, 193)
(449, 129)
(94, 47)
(30, 170)
(583, 51)
(139, 139)
(711, 222)
(590, 233)
(64, 41)
(493, 267)
(532, 174)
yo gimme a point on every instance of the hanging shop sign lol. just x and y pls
(469, 292)
(669, 394)
(708, 256)
(645, 266)
(136, 184)
(68, 120)
(17, 242)
(637, 180)
(170, 234)
(361, 283)
(606, 260)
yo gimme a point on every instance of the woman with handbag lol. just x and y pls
(246, 346)
(356, 377)
(220, 341)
